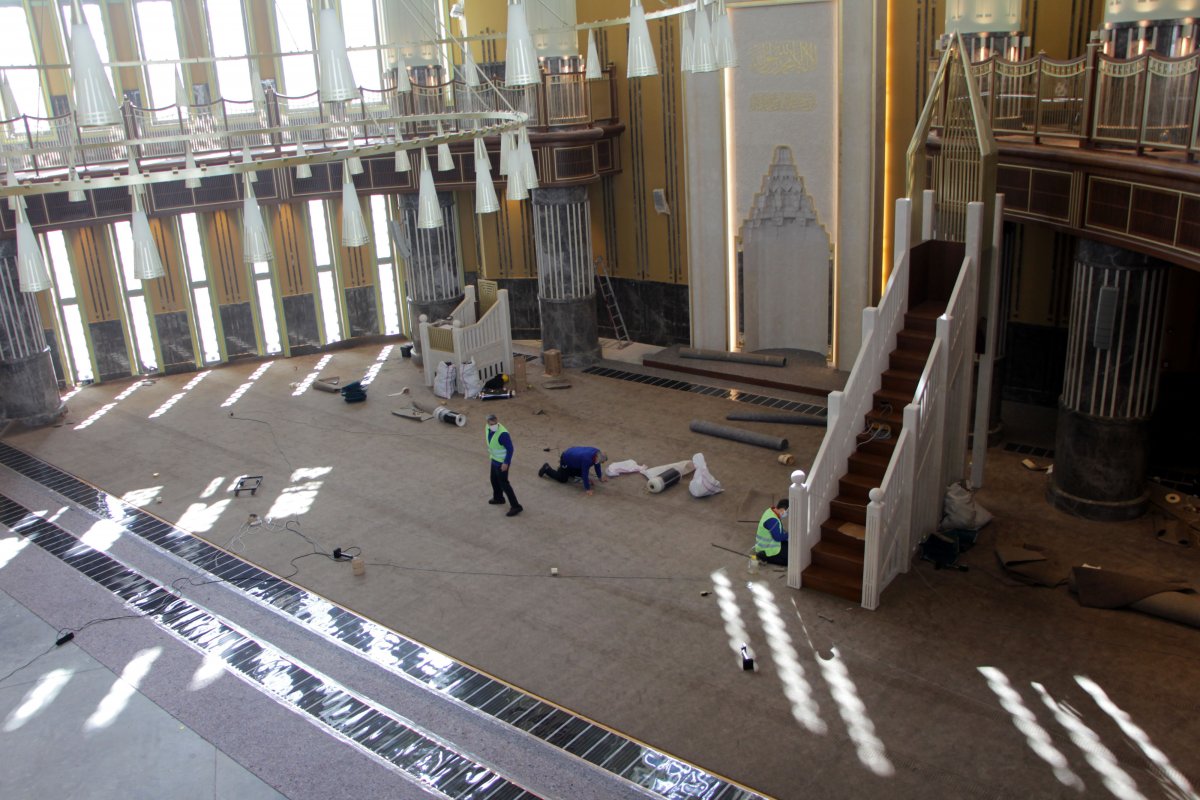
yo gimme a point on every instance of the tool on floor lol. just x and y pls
(247, 483)
(747, 658)
(449, 417)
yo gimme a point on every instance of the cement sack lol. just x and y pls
(444, 379)
(961, 512)
(468, 380)
(703, 483)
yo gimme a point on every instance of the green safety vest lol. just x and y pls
(764, 542)
(496, 449)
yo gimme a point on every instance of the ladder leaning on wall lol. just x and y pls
(620, 333)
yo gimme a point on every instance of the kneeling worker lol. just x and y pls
(577, 462)
(771, 540)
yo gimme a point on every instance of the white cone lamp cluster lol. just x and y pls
(403, 82)
(517, 164)
(402, 162)
(147, 263)
(337, 79)
(256, 244)
(708, 39)
(429, 212)
(486, 201)
(95, 102)
(32, 275)
(592, 71)
(520, 56)
(354, 227)
(640, 63)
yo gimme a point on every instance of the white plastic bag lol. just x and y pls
(444, 379)
(703, 483)
(624, 468)
(468, 380)
(961, 512)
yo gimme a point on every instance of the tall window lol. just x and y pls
(293, 22)
(227, 29)
(202, 303)
(156, 30)
(135, 298)
(78, 360)
(16, 49)
(327, 289)
(392, 311)
(362, 30)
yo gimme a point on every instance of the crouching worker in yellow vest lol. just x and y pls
(771, 540)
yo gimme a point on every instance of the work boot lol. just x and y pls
(542, 472)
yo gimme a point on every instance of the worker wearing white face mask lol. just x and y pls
(500, 448)
(770, 542)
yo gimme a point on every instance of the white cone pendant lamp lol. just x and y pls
(685, 43)
(703, 59)
(402, 162)
(337, 79)
(445, 161)
(486, 201)
(641, 61)
(95, 102)
(723, 48)
(147, 263)
(520, 56)
(516, 178)
(303, 171)
(353, 162)
(592, 72)
(403, 82)
(31, 264)
(256, 244)
(182, 101)
(15, 201)
(354, 227)
(429, 212)
(525, 159)
(8, 102)
(506, 149)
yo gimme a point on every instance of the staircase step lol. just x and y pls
(823, 579)
(930, 309)
(849, 535)
(914, 320)
(852, 485)
(868, 464)
(850, 509)
(898, 380)
(917, 341)
(897, 399)
(876, 447)
(908, 361)
(894, 420)
(839, 558)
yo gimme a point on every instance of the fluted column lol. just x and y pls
(432, 277)
(28, 387)
(1110, 383)
(566, 276)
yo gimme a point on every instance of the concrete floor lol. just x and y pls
(962, 684)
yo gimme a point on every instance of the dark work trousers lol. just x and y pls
(500, 485)
(779, 558)
(563, 474)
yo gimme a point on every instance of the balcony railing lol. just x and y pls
(1148, 103)
(44, 147)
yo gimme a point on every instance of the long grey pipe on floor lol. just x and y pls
(786, 419)
(738, 435)
(742, 358)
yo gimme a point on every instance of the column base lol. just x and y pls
(570, 327)
(29, 391)
(1099, 467)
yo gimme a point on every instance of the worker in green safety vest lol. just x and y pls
(771, 540)
(500, 448)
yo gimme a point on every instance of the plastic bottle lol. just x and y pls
(752, 564)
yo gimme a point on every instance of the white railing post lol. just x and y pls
(799, 529)
(908, 533)
(871, 554)
(902, 230)
(427, 364)
(505, 323)
(983, 391)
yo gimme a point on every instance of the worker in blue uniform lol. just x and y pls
(500, 450)
(577, 462)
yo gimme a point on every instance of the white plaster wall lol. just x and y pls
(809, 77)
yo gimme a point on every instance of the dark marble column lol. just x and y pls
(566, 275)
(432, 267)
(28, 386)
(1110, 383)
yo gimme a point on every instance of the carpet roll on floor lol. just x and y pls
(738, 435)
